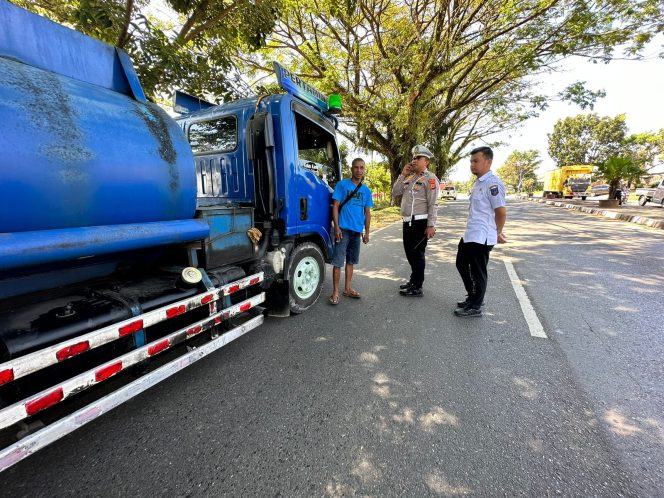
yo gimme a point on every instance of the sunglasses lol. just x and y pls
(417, 157)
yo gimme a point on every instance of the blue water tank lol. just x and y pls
(75, 154)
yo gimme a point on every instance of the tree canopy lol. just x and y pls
(615, 169)
(192, 53)
(518, 171)
(646, 149)
(591, 139)
(587, 139)
(446, 73)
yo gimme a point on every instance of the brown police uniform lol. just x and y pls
(419, 210)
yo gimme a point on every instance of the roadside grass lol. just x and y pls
(382, 216)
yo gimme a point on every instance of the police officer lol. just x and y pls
(419, 190)
(484, 229)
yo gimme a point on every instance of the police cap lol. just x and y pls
(421, 150)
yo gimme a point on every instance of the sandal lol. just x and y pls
(333, 300)
(352, 293)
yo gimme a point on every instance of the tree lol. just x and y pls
(519, 168)
(615, 169)
(464, 186)
(193, 54)
(646, 149)
(587, 139)
(445, 73)
(529, 185)
(378, 178)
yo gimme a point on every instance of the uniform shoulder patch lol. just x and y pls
(494, 190)
(432, 183)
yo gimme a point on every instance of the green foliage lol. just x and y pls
(464, 186)
(519, 169)
(446, 74)
(192, 53)
(345, 164)
(615, 169)
(646, 149)
(587, 139)
(378, 178)
(528, 185)
(578, 94)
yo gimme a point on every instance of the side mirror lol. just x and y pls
(329, 151)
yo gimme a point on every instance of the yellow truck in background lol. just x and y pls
(568, 182)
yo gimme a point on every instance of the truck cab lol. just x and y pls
(269, 163)
(568, 182)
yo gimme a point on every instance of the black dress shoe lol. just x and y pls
(467, 312)
(411, 292)
(405, 286)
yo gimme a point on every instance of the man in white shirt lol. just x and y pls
(486, 218)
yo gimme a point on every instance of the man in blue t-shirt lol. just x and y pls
(351, 213)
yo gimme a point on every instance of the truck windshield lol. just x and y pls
(579, 183)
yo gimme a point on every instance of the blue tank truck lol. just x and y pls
(132, 244)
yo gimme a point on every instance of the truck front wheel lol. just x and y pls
(642, 200)
(305, 276)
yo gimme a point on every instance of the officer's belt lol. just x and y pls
(406, 219)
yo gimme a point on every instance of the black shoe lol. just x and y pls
(405, 286)
(465, 303)
(411, 292)
(465, 312)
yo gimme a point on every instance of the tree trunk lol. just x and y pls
(613, 186)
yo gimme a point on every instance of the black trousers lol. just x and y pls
(471, 262)
(414, 244)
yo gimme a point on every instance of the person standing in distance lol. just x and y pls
(484, 229)
(351, 213)
(419, 210)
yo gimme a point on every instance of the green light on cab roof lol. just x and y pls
(334, 104)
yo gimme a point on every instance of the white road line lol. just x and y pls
(535, 326)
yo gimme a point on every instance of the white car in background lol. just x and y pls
(448, 192)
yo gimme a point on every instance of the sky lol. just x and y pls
(633, 88)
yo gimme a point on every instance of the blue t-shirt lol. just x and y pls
(352, 214)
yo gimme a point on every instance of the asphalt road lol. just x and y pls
(390, 396)
(631, 208)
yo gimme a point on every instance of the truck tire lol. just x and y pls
(305, 277)
(642, 200)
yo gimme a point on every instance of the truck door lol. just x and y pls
(318, 169)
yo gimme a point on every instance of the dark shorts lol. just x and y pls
(347, 250)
